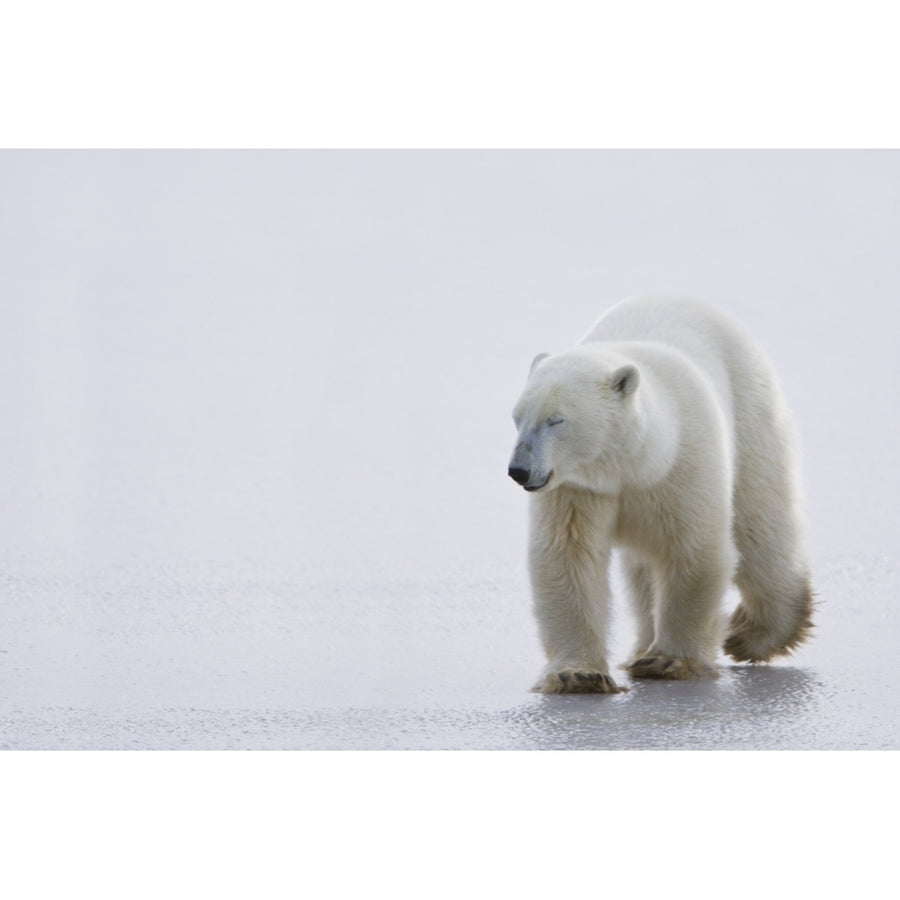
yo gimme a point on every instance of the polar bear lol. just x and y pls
(663, 432)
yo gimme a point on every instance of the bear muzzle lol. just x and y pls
(519, 476)
(523, 477)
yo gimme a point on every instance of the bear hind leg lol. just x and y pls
(772, 619)
(775, 613)
(642, 594)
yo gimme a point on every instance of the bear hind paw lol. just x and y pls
(749, 641)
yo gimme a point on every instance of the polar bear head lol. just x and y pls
(575, 421)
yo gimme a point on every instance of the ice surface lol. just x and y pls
(255, 418)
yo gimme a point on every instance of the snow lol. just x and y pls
(255, 419)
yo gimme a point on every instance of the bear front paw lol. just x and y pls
(577, 681)
(658, 665)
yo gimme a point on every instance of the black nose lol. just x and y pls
(519, 476)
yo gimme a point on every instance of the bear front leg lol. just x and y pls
(687, 624)
(569, 561)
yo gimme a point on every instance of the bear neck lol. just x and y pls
(650, 451)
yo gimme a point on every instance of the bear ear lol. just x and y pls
(536, 360)
(625, 380)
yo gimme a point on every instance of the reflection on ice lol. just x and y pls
(747, 708)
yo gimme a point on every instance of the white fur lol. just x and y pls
(663, 432)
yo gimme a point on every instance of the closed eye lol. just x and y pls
(556, 420)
